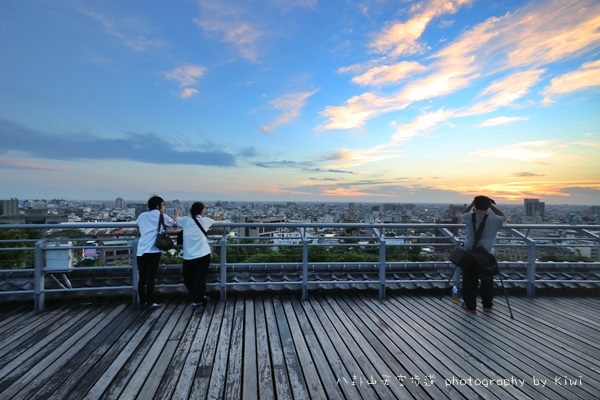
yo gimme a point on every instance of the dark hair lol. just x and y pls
(155, 202)
(482, 202)
(197, 208)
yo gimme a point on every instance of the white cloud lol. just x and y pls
(505, 92)
(540, 33)
(585, 77)
(401, 38)
(532, 151)
(186, 75)
(230, 23)
(290, 106)
(500, 121)
(422, 123)
(186, 93)
(388, 74)
(117, 29)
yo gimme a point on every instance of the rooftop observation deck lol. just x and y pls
(305, 330)
(280, 347)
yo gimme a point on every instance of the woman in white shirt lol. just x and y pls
(148, 255)
(196, 253)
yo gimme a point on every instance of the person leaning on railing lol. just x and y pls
(196, 253)
(148, 255)
(472, 277)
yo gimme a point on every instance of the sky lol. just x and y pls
(301, 100)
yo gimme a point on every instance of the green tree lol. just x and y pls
(19, 238)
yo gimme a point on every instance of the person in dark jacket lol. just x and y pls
(471, 278)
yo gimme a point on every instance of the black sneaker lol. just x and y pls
(468, 309)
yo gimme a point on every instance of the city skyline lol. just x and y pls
(171, 201)
(307, 101)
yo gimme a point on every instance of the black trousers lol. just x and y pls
(194, 277)
(471, 279)
(147, 269)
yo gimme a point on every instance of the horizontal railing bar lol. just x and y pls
(87, 289)
(221, 224)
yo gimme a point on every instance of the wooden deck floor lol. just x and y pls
(278, 347)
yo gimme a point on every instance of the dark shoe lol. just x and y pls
(195, 306)
(154, 307)
(472, 311)
(205, 300)
(142, 306)
(487, 309)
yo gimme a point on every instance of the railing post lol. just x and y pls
(39, 276)
(304, 264)
(382, 266)
(379, 233)
(223, 266)
(531, 260)
(531, 267)
(134, 272)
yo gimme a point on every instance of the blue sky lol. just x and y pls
(301, 100)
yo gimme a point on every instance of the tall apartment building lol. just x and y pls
(534, 208)
(120, 203)
(9, 207)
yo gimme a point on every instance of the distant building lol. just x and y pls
(9, 207)
(120, 203)
(454, 212)
(534, 208)
(258, 231)
(596, 213)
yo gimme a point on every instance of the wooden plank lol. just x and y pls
(387, 343)
(201, 382)
(499, 352)
(430, 350)
(296, 379)
(324, 348)
(563, 357)
(250, 359)
(306, 364)
(100, 378)
(573, 348)
(40, 348)
(373, 374)
(159, 334)
(183, 338)
(345, 350)
(34, 376)
(200, 325)
(218, 376)
(12, 316)
(134, 355)
(561, 319)
(165, 347)
(26, 332)
(309, 348)
(81, 371)
(233, 385)
(279, 378)
(480, 354)
(266, 389)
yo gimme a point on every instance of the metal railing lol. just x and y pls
(517, 247)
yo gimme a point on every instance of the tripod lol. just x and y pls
(501, 283)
